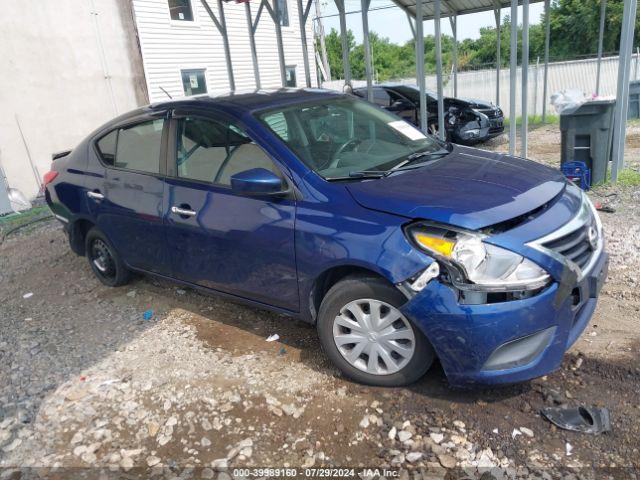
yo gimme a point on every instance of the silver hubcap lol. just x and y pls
(374, 336)
(101, 258)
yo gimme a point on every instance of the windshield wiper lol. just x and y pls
(409, 162)
(360, 174)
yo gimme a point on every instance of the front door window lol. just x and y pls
(213, 151)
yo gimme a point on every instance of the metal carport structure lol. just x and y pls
(420, 10)
(417, 12)
(437, 9)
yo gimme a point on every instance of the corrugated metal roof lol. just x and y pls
(449, 7)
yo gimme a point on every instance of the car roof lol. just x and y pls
(240, 102)
(395, 86)
(252, 100)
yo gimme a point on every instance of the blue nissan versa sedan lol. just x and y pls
(398, 247)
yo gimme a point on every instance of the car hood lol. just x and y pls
(468, 188)
(475, 103)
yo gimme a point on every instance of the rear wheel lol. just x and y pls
(104, 260)
(364, 333)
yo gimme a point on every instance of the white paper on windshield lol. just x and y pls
(409, 131)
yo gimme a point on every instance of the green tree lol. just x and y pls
(574, 33)
(575, 25)
(389, 60)
(333, 42)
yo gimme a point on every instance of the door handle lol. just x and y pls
(183, 212)
(95, 195)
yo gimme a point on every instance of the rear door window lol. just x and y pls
(138, 147)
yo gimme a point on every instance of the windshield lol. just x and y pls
(412, 92)
(338, 137)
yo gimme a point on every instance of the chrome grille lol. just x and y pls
(575, 246)
(490, 112)
(579, 242)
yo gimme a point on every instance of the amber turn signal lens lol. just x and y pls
(440, 245)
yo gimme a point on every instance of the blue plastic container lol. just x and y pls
(578, 173)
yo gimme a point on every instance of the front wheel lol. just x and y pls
(104, 260)
(364, 333)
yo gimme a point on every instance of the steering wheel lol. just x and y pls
(335, 158)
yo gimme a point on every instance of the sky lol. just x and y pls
(392, 23)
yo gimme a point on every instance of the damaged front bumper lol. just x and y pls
(478, 131)
(505, 342)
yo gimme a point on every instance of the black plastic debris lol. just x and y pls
(606, 209)
(590, 420)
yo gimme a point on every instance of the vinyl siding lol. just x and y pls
(170, 46)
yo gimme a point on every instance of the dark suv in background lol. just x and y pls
(467, 121)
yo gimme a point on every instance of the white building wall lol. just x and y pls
(171, 46)
(52, 78)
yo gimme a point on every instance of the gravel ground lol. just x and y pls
(87, 385)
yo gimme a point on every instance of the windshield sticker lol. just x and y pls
(409, 131)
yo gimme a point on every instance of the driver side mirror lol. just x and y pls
(258, 182)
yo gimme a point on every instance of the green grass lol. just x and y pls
(629, 178)
(535, 120)
(9, 222)
(25, 216)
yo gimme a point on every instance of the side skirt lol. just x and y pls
(218, 293)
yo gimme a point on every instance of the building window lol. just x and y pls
(290, 76)
(282, 12)
(180, 10)
(194, 82)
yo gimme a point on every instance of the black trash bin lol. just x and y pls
(587, 135)
(634, 99)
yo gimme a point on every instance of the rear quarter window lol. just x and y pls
(107, 148)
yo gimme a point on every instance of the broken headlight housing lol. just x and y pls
(474, 264)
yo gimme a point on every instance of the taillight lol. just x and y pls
(49, 177)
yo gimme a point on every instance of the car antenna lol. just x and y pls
(166, 93)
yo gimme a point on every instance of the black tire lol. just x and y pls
(104, 260)
(364, 287)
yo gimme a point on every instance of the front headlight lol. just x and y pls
(478, 265)
(473, 132)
